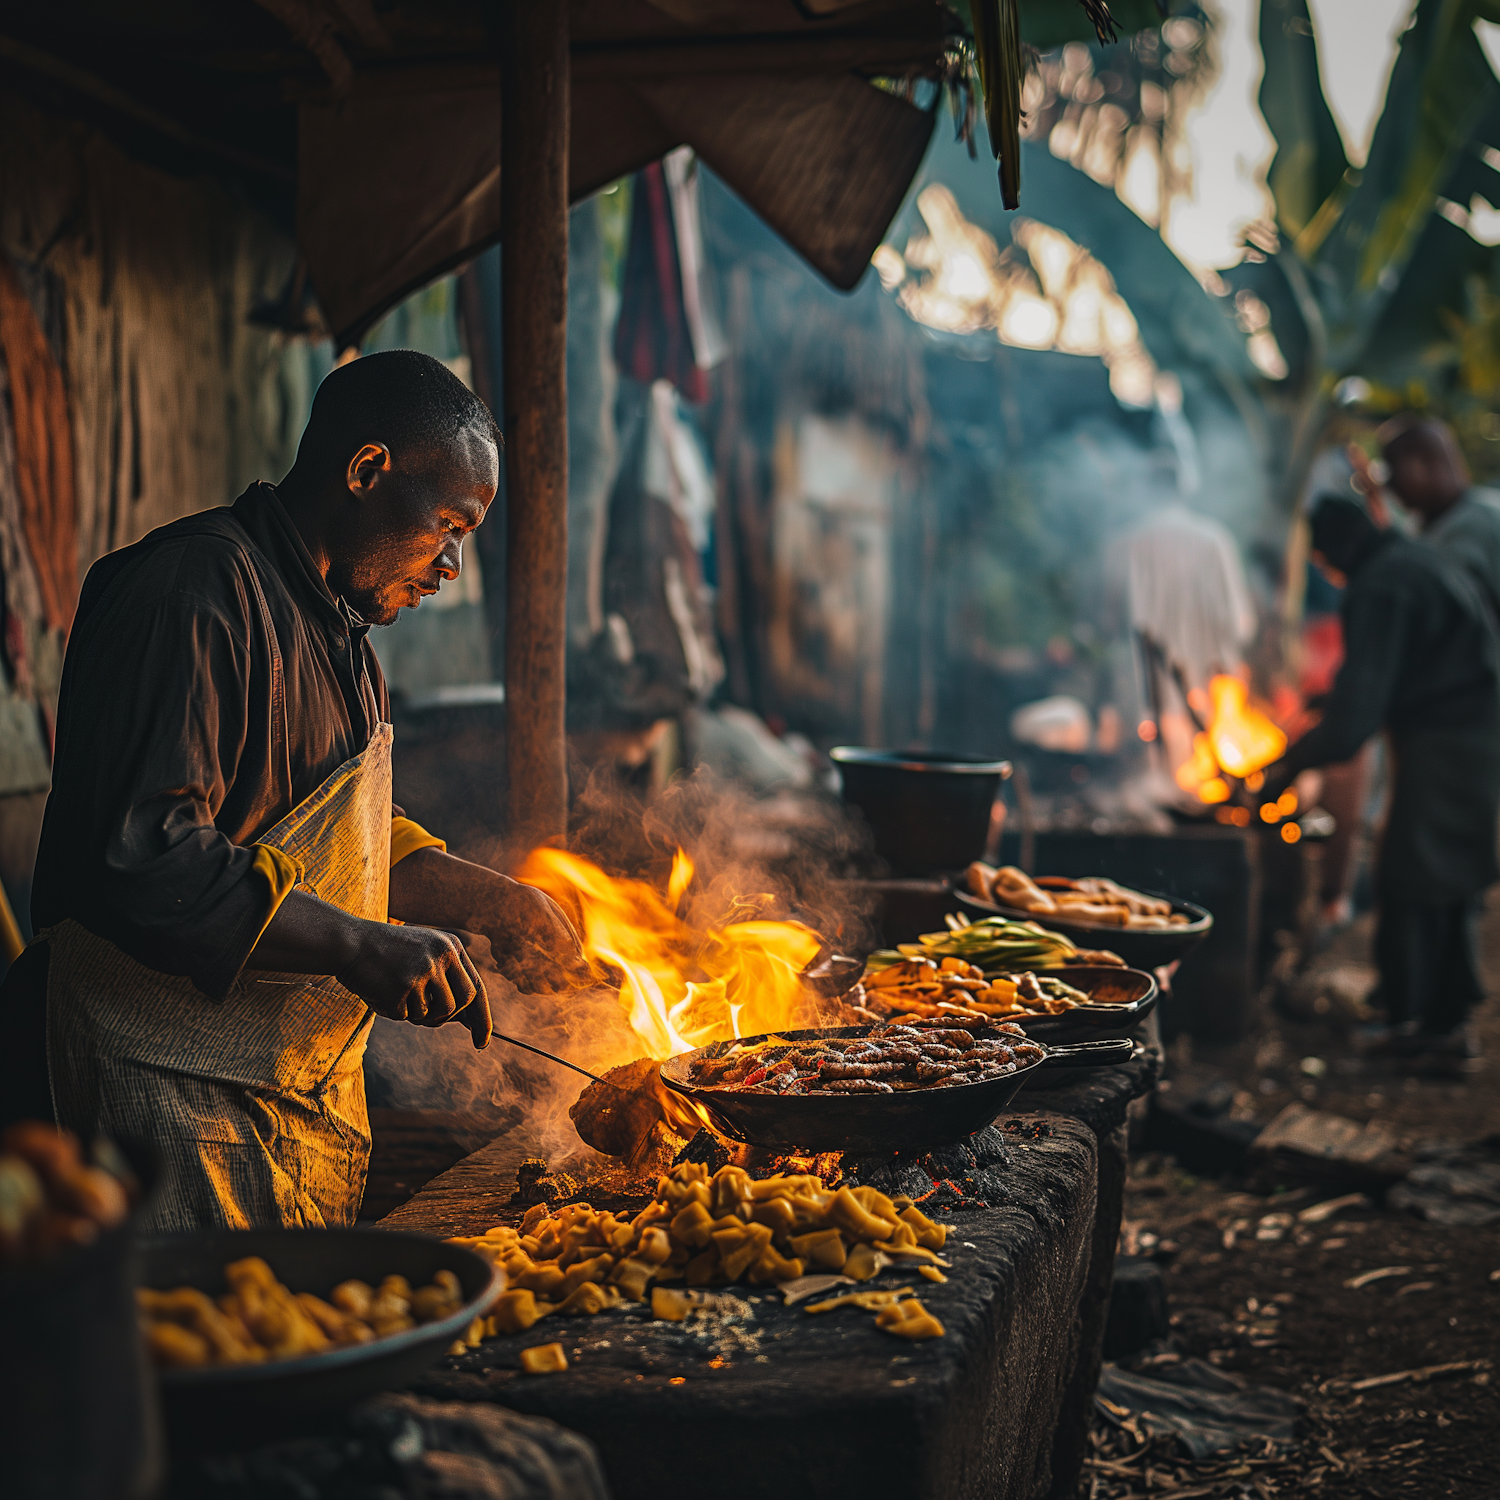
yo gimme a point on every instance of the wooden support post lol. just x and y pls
(534, 307)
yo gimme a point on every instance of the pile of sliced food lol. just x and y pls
(955, 990)
(996, 946)
(891, 1059)
(1093, 900)
(702, 1232)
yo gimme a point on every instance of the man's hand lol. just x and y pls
(533, 942)
(415, 974)
(421, 975)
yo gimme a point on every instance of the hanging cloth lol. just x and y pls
(663, 331)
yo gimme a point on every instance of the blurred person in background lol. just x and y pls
(1188, 600)
(1426, 472)
(1421, 661)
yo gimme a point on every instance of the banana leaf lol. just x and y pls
(1441, 89)
(1414, 339)
(1309, 164)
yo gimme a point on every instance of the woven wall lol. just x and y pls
(143, 282)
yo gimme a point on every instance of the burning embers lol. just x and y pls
(1238, 741)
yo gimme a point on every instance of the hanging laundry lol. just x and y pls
(666, 329)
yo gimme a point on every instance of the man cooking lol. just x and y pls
(1421, 661)
(220, 854)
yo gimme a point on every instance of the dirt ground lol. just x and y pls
(1271, 1302)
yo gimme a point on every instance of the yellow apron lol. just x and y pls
(255, 1105)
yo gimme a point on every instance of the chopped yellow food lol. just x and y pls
(867, 1300)
(544, 1359)
(700, 1231)
(668, 1303)
(260, 1319)
(908, 1320)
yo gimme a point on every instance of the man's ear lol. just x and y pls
(366, 467)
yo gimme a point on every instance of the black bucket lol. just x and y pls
(78, 1407)
(929, 812)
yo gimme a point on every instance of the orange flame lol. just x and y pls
(1239, 741)
(680, 986)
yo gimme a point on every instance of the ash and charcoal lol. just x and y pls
(707, 1149)
(537, 1183)
(969, 1174)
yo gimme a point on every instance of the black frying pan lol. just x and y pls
(917, 1119)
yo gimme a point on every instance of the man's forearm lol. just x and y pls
(307, 936)
(440, 890)
(530, 938)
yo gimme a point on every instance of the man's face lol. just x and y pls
(1415, 478)
(407, 530)
(1427, 472)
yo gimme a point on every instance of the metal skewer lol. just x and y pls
(501, 1037)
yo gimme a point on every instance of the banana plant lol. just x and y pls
(1379, 261)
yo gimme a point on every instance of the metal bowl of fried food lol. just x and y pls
(1118, 1000)
(1141, 948)
(226, 1405)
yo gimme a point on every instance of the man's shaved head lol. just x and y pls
(398, 465)
(1427, 468)
(411, 402)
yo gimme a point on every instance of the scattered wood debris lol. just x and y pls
(1381, 1273)
(1318, 1213)
(1403, 1377)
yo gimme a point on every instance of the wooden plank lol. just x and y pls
(534, 302)
(471, 1195)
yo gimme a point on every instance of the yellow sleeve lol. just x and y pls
(407, 837)
(282, 874)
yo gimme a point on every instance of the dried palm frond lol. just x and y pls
(1002, 67)
(1105, 27)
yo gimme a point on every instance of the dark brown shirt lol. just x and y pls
(173, 754)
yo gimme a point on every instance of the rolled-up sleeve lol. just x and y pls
(407, 836)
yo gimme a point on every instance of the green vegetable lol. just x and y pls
(996, 945)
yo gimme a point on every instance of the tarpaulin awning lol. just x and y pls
(374, 131)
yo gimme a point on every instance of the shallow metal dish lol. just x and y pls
(1140, 947)
(1094, 1023)
(918, 1119)
(233, 1405)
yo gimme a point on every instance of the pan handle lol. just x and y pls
(1089, 1054)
